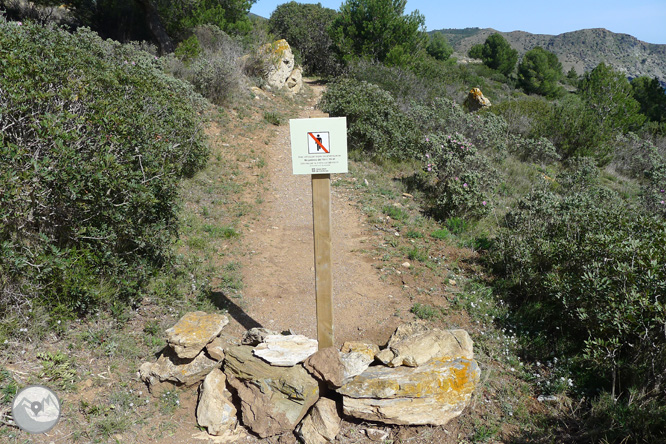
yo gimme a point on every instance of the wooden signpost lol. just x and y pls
(319, 148)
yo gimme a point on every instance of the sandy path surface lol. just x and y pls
(278, 273)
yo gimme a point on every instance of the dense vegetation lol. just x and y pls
(559, 185)
(95, 139)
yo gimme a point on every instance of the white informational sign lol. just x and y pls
(319, 146)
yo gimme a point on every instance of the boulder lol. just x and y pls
(476, 100)
(326, 366)
(433, 393)
(193, 331)
(279, 69)
(321, 425)
(215, 410)
(285, 351)
(278, 62)
(273, 399)
(415, 343)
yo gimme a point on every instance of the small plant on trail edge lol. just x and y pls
(273, 118)
(424, 311)
(441, 234)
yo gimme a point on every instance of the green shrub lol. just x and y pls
(486, 131)
(189, 49)
(585, 275)
(305, 27)
(375, 123)
(215, 68)
(523, 114)
(95, 140)
(539, 150)
(459, 179)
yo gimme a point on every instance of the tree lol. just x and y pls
(373, 28)
(496, 53)
(610, 96)
(439, 47)
(305, 27)
(572, 76)
(179, 16)
(651, 96)
(539, 72)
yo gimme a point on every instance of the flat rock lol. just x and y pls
(326, 366)
(273, 399)
(175, 370)
(215, 410)
(285, 351)
(321, 425)
(193, 331)
(433, 393)
(415, 344)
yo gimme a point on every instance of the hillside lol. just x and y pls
(583, 49)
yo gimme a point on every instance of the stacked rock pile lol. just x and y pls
(282, 384)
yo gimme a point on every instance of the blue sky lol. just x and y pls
(644, 19)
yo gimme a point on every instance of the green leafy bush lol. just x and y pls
(375, 28)
(539, 72)
(486, 131)
(585, 275)
(375, 123)
(460, 178)
(95, 139)
(305, 27)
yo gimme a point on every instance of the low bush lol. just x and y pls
(585, 276)
(485, 130)
(459, 179)
(211, 61)
(375, 123)
(95, 139)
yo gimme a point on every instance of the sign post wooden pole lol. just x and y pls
(319, 149)
(321, 210)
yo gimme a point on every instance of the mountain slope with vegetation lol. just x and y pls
(582, 50)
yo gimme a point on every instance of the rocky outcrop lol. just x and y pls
(475, 101)
(193, 331)
(582, 50)
(433, 393)
(273, 399)
(280, 71)
(356, 357)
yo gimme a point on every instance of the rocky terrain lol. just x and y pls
(583, 50)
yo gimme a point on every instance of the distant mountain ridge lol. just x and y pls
(582, 50)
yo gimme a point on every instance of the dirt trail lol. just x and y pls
(278, 273)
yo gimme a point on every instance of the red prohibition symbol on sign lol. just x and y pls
(318, 142)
